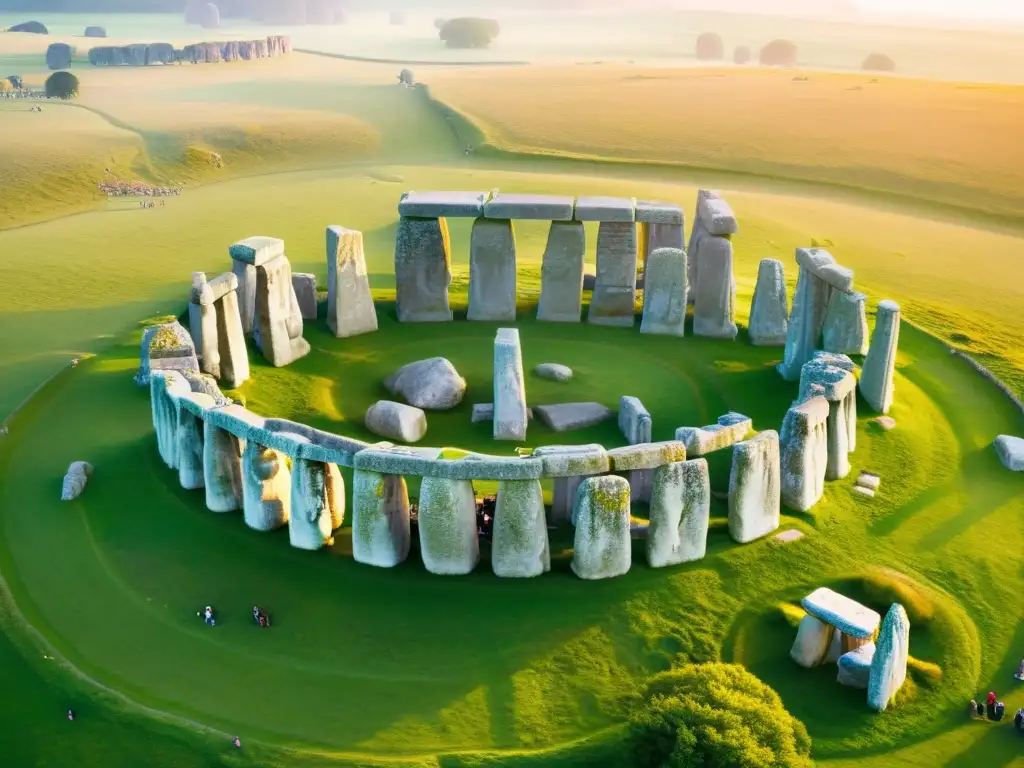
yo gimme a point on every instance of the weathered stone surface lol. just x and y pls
(810, 302)
(202, 318)
(651, 237)
(447, 526)
(605, 209)
(492, 271)
(825, 268)
(804, 443)
(537, 207)
(646, 456)
(234, 356)
(653, 212)
(697, 233)
(877, 384)
(510, 412)
(845, 328)
(396, 421)
(561, 292)
(277, 317)
(614, 298)
(553, 371)
(304, 285)
(564, 417)
(700, 441)
(754, 487)
(813, 638)
(95, 32)
(848, 616)
(680, 508)
(313, 494)
(350, 310)
(1010, 450)
(889, 664)
(422, 270)
(485, 412)
(432, 384)
(717, 217)
(190, 440)
(58, 56)
(433, 205)
(572, 460)
(787, 537)
(665, 293)
(769, 310)
(714, 306)
(838, 386)
(164, 389)
(165, 347)
(520, 540)
(380, 519)
(855, 666)
(634, 420)
(74, 482)
(266, 488)
(222, 469)
(601, 510)
(247, 255)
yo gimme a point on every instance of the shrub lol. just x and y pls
(779, 53)
(16, 82)
(742, 55)
(469, 32)
(95, 32)
(715, 715)
(5, 86)
(878, 62)
(61, 85)
(710, 47)
(33, 27)
(58, 55)
(406, 77)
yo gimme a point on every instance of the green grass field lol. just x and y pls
(395, 667)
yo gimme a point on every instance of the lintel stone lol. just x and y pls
(605, 209)
(653, 212)
(535, 207)
(257, 250)
(432, 205)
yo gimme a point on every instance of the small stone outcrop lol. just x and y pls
(553, 371)
(396, 421)
(564, 417)
(603, 548)
(889, 665)
(74, 481)
(431, 384)
(754, 488)
(1011, 452)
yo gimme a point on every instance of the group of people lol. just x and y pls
(991, 708)
(485, 509)
(260, 616)
(117, 188)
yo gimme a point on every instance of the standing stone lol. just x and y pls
(634, 420)
(804, 443)
(350, 310)
(380, 519)
(520, 543)
(202, 321)
(277, 317)
(234, 357)
(855, 667)
(838, 386)
(603, 548)
(754, 487)
(568, 465)
(266, 487)
(659, 225)
(1010, 451)
(190, 440)
(311, 521)
(876, 377)
(164, 389)
(447, 525)
(697, 233)
(889, 665)
(246, 255)
(665, 293)
(813, 639)
(714, 306)
(510, 412)
(492, 271)
(769, 310)
(422, 270)
(845, 328)
(222, 469)
(561, 291)
(614, 298)
(679, 513)
(304, 285)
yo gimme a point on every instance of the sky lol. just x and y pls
(981, 10)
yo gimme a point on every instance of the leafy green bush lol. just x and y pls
(61, 85)
(710, 47)
(779, 53)
(878, 62)
(469, 32)
(715, 715)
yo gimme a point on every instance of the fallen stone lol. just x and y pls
(447, 525)
(74, 481)
(605, 209)
(864, 491)
(380, 519)
(396, 421)
(813, 638)
(769, 310)
(304, 285)
(529, 207)
(432, 384)
(601, 512)
(787, 537)
(885, 422)
(680, 509)
(166, 347)
(553, 371)
(889, 664)
(700, 441)
(564, 417)
(845, 329)
(510, 412)
(665, 293)
(717, 217)
(492, 271)
(855, 667)
(613, 302)
(561, 292)
(869, 480)
(433, 205)
(350, 310)
(520, 540)
(754, 487)
(1010, 451)
(634, 420)
(848, 616)
(422, 270)
(714, 306)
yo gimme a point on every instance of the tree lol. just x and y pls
(5, 86)
(715, 715)
(710, 47)
(878, 62)
(61, 85)
(34, 27)
(469, 32)
(779, 53)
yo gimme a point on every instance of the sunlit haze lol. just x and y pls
(975, 9)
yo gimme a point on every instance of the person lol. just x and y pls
(238, 742)
(980, 709)
(990, 705)
(1000, 711)
(972, 709)
(1018, 720)
(260, 616)
(71, 714)
(1020, 671)
(208, 616)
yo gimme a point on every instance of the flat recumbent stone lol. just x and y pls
(564, 417)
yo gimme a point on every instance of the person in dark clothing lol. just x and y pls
(1000, 710)
(980, 709)
(1018, 720)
